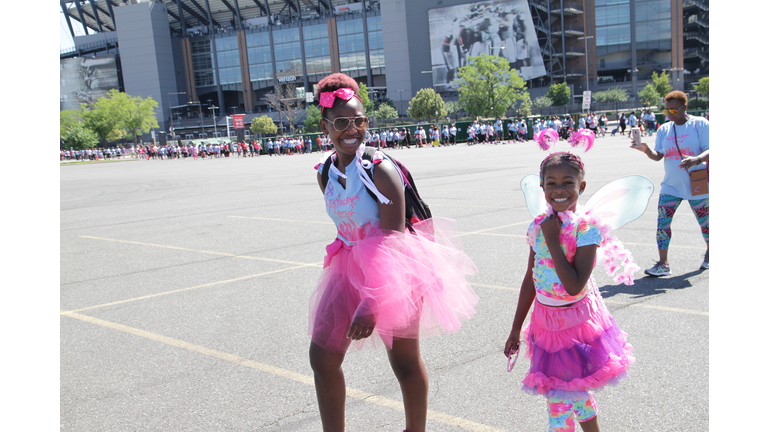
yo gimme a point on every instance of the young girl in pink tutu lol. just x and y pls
(379, 278)
(574, 344)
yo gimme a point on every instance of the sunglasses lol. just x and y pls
(342, 123)
(672, 111)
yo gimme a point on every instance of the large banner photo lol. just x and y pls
(86, 79)
(501, 27)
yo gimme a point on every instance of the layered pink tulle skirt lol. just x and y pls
(574, 349)
(414, 285)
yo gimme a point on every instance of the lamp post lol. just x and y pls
(214, 118)
(200, 112)
(586, 51)
(433, 88)
(401, 98)
(678, 70)
(634, 71)
(170, 110)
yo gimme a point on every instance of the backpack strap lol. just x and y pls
(326, 170)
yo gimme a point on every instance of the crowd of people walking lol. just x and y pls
(480, 132)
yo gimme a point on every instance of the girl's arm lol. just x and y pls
(574, 276)
(524, 302)
(392, 217)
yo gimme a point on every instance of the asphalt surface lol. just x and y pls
(185, 287)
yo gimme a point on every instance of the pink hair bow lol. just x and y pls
(328, 98)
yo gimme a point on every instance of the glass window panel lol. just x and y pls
(204, 78)
(201, 46)
(610, 2)
(374, 23)
(202, 61)
(287, 35)
(259, 55)
(257, 39)
(227, 43)
(612, 35)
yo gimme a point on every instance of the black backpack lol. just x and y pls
(415, 208)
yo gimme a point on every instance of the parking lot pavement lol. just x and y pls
(184, 289)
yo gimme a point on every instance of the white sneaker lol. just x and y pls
(705, 264)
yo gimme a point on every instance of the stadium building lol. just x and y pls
(222, 57)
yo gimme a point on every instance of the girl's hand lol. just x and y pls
(513, 342)
(362, 327)
(550, 227)
(363, 323)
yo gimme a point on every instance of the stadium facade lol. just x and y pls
(194, 55)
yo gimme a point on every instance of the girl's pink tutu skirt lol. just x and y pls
(413, 285)
(574, 349)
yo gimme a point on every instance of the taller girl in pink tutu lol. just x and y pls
(378, 278)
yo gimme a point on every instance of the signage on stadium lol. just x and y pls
(289, 78)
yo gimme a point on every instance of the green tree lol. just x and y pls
(80, 137)
(423, 105)
(263, 125)
(67, 119)
(365, 98)
(649, 95)
(386, 112)
(661, 83)
(560, 94)
(104, 117)
(488, 86)
(702, 87)
(452, 108)
(542, 102)
(137, 115)
(312, 122)
(523, 106)
(614, 95)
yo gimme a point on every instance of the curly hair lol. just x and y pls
(678, 96)
(334, 82)
(562, 158)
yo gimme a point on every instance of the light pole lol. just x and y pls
(678, 70)
(401, 98)
(433, 88)
(170, 110)
(200, 112)
(214, 118)
(634, 79)
(586, 51)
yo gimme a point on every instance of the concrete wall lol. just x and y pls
(146, 54)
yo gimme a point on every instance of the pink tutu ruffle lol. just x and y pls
(575, 349)
(413, 284)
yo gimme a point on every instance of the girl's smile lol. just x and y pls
(562, 187)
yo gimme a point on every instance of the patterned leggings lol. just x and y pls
(563, 411)
(667, 206)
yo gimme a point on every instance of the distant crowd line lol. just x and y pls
(479, 132)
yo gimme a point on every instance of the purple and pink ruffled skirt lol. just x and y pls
(574, 349)
(414, 285)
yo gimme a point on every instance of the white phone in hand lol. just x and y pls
(635, 134)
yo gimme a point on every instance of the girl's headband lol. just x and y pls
(547, 139)
(328, 98)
